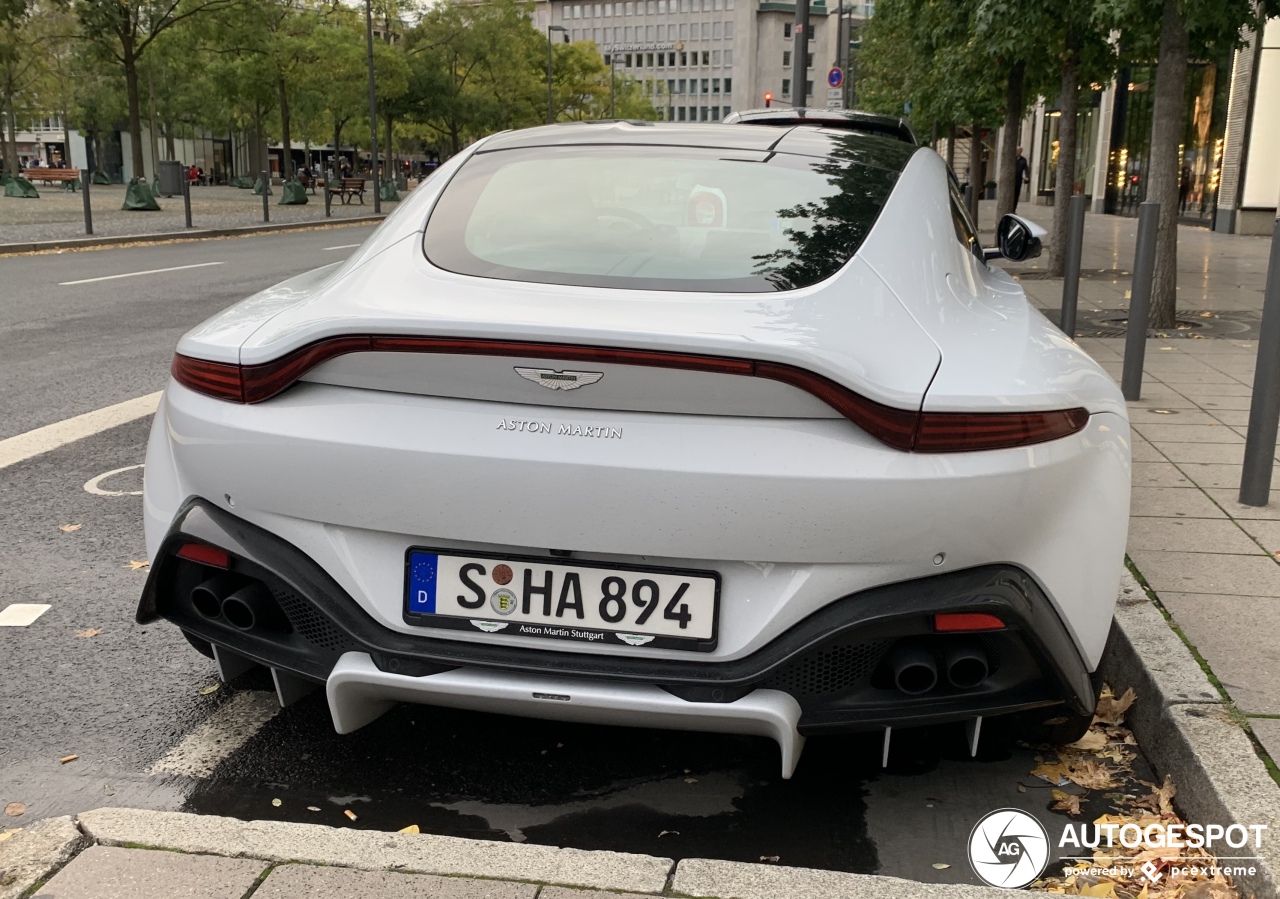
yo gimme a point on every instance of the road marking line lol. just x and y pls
(218, 736)
(153, 271)
(22, 614)
(33, 443)
(93, 485)
(345, 246)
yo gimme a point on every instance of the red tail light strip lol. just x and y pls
(948, 622)
(927, 432)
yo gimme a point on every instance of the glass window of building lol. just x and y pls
(786, 29)
(717, 31)
(728, 4)
(575, 35)
(719, 5)
(577, 11)
(651, 7)
(706, 57)
(786, 58)
(608, 10)
(703, 116)
(715, 113)
(617, 34)
(715, 85)
(728, 58)
(648, 57)
(697, 5)
(684, 35)
(728, 30)
(808, 88)
(680, 111)
(648, 36)
(630, 34)
(786, 87)
(808, 60)
(704, 85)
(671, 85)
(706, 31)
(728, 86)
(631, 8)
(662, 7)
(682, 85)
(715, 58)
(595, 35)
(662, 34)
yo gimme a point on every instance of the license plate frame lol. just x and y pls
(593, 635)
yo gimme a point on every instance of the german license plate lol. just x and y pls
(582, 601)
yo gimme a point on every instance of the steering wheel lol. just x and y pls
(631, 216)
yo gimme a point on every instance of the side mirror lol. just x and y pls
(1018, 238)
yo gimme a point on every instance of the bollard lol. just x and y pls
(266, 201)
(186, 197)
(88, 210)
(1264, 408)
(1071, 275)
(328, 199)
(1144, 267)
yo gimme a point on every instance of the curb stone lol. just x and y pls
(36, 852)
(89, 243)
(703, 877)
(276, 841)
(1186, 732)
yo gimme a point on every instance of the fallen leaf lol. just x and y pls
(771, 859)
(87, 632)
(5, 834)
(1090, 742)
(412, 828)
(313, 808)
(209, 688)
(108, 789)
(350, 814)
(1098, 890)
(69, 528)
(277, 803)
(68, 758)
(1065, 802)
(14, 809)
(691, 780)
(1110, 710)
(668, 833)
(1055, 773)
(941, 866)
(134, 565)
(1021, 788)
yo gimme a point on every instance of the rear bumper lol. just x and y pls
(823, 674)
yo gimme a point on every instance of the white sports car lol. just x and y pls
(705, 427)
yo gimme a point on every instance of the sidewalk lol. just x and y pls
(1211, 561)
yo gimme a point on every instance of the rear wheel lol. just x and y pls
(1055, 726)
(204, 647)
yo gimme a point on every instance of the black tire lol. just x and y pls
(1056, 726)
(204, 647)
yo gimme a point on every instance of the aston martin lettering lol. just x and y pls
(559, 380)
(529, 426)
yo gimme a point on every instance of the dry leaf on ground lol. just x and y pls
(412, 828)
(14, 809)
(209, 688)
(1111, 710)
(69, 528)
(87, 632)
(771, 859)
(134, 565)
(1092, 741)
(1065, 802)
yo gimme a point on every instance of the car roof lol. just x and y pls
(801, 141)
(848, 119)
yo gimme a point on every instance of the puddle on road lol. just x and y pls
(667, 793)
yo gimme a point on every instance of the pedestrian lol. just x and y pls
(1021, 176)
(1184, 188)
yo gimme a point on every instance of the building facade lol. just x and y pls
(702, 58)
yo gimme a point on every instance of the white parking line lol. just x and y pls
(151, 271)
(24, 446)
(345, 246)
(219, 735)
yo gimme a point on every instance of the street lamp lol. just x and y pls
(550, 106)
(613, 61)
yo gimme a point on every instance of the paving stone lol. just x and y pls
(1236, 636)
(309, 881)
(1222, 453)
(106, 872)
(710, 877)
(1267, 730)
(1142, 451)
(1173, 502)
(565, 893)
(34, 852)
(1214, 391)
(1159, 474)
(1159, 434)
(1208, 573)
(1229, 499)
(1140, 414)
(1265, 532)
(1190, 535)
(1213, 403)
(1213, 474)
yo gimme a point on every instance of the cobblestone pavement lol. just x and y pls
(59, 214)
(1212, 562)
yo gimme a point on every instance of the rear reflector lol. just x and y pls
(904, 429)
(205, 555)
(945, 622)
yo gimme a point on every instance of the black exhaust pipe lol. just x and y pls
(251, 607)
(914, 671)
(208, 596)
(965, 663)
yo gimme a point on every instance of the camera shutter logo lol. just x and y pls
(1008, 848)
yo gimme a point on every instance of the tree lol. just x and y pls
(124, 30)
(1179, 29)
(19, 68)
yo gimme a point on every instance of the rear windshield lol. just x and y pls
(657, 218)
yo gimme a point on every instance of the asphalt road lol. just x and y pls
(134, 705)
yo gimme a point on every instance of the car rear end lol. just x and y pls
(625, 488)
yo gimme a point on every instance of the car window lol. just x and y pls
(662, 218)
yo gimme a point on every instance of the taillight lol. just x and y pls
(205, 555)
(904, 429)
(951, 622)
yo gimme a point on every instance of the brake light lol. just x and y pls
(904, 429)
(205, 555)
(947, 622)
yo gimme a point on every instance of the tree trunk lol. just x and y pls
(1006, 189)
(170, 148)
(975, 171)
(155, 119)
(1162, 179)
(135, 109)
(391, 156)
(1065, 183)
(951, 146)
(10, 145)
(286, 136)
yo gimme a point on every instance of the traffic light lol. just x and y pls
(768, 98)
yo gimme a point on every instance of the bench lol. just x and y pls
(308, 181)
(346, 188)
(48, 176)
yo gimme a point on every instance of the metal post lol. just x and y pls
(613, 87)
(266, 202)
(85, 178)
(1144, 266)
(1264, 408)
(373, 105)
(550, 109)
(799, 67)
(186, 197)
(328, 196)
(1071, 276)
